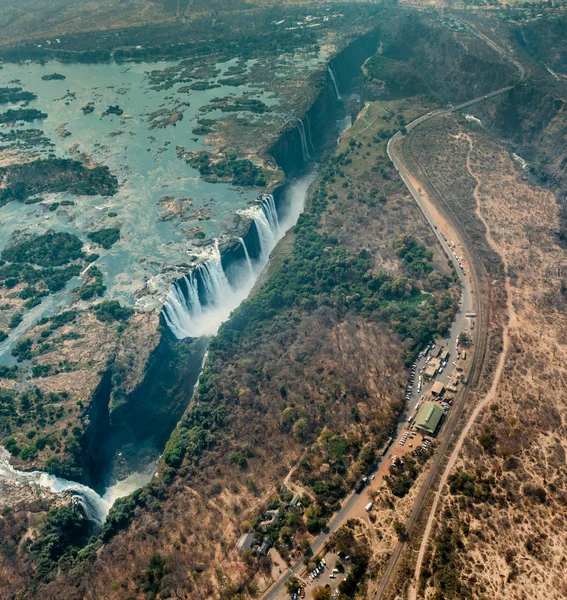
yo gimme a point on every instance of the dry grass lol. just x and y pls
(513, 542)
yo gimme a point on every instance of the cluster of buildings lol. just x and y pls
(439, 399)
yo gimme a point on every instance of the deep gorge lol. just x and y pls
(137, 426)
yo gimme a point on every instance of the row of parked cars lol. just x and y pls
(318, 570)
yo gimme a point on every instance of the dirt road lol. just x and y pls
(491, 394)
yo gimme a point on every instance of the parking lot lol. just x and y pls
(328, 572)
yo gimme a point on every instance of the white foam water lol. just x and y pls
(96, 507)
(201, 301)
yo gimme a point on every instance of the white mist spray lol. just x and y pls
(188, 315)
(334, 80)
(302, 136)
(96, 507)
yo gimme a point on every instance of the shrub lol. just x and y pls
(105, 237)
(112, 310)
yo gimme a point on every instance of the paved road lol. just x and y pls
(460, 401)
(467, 305)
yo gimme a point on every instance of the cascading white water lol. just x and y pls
(269, 207)
(308, 121)
(96, 507)
(304, 149)
(184, 312)
(334, 80)
(247, 256)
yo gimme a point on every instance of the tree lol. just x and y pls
(293, 585)
(301, 429)
(400, 530)
(465, 339)
(322, 593)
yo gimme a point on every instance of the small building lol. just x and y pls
(246, 542)
(444, 355)
(265, 547)
(436, 351)
(428, 418)
(430, 372)
(438, 389)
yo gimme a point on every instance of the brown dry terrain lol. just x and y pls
(75, 357)
(498, 529)
(321, 383)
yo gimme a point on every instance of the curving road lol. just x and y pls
(468, 300)
(450, 428)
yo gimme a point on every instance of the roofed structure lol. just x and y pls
(437, 389)
(429, 417)
(246, 542)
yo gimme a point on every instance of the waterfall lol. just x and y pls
(201, 301)
(301, 129)
(308, 121)
(269, 207)
(96, 507)
(266, 234)
(334, 80)
(248, 261)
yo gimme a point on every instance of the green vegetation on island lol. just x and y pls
(53, 77)
(226, 168)
(55, 175)
(21, 114)
(105, 237)
(52, 249)
(15, 94)
(93, 285)
(25, 137)
(113, 110)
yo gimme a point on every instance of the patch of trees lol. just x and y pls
(414, 255)
(113, 110)
(239, 105)
(54, 175)
(112, 310)
(22, 114)
(40, 282)
(94, 285)
(64, 531)
(402, 476)
(445, 568)
(53, 77)
(26, 137)
(398, 77)
(472, 485)
(105, 237)
(227, 167)
(51, 249)
(15, 94)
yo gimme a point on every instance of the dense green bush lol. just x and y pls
(54, 175)
(112, 310)
(51, 249)
(227, 168)
(63, 532)
(94, 286)
(21, 114)
(105, 237)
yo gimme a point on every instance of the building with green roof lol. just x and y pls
(428, 418)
